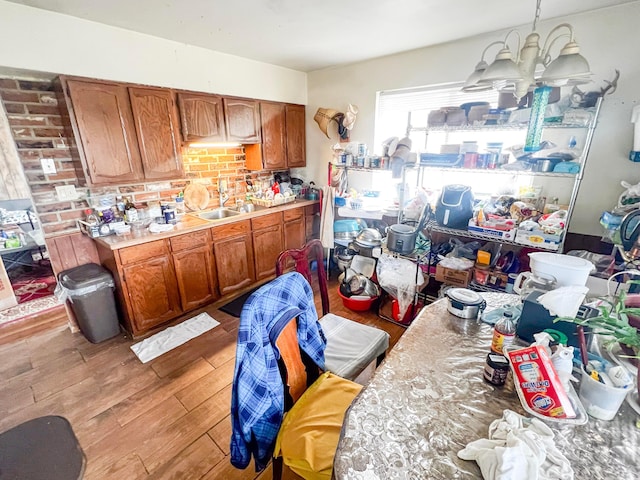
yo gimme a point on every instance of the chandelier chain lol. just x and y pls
(537, 16)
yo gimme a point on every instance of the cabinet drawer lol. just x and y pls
(293, 214)
(189, 240)
(231, 230)
(142, 252)
(266, 221)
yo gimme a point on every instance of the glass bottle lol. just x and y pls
(504, 333)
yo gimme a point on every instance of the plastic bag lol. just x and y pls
(399, 277)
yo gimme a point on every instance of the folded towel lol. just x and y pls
(518, 448)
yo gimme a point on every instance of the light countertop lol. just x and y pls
(190, 222)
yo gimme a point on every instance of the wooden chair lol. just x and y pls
(353, 349)
(279, 331)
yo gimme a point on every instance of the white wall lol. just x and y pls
(608, 38)
(40, 40)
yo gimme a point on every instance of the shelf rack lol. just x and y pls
(577, 178)
(434, 227)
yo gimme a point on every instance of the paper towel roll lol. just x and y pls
(635, 118)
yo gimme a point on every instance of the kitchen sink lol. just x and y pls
(218, 214)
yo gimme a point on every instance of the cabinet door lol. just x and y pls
(242, 119)
(152, 292)
(103, 123)
(267, 245)
(234, 263)
(272, 118)
(295, 134)
(157, 127)
(294, 228)
(195, 275)
(202, 117)
(312, 221)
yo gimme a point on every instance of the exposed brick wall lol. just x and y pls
(36, 124)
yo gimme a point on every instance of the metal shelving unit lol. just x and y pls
(577, 178)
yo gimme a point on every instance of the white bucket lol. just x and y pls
(566, 269)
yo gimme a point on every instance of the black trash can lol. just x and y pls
(90, 289)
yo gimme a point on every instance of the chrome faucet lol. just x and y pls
(222, 189)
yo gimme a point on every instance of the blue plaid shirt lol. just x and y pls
(257, 400)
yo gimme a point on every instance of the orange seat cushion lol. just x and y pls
(310, 431)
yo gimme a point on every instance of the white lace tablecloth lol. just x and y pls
(428, 400)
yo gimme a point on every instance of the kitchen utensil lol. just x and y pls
(545, 164)
(369, 237)
(312, 193)
(465, 303)
(566, 269)
(357, 284)
(527, 282)
(196, 196)
(455, 206)
(629, 233)
(401, 238)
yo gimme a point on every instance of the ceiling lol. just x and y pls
(308, 35)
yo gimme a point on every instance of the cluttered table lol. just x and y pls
(428, 400)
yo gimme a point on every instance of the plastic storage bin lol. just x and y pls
(90, 290)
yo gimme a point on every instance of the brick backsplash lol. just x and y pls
(36, 125)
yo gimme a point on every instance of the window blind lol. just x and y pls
(393, 106)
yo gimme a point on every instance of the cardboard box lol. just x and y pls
(537, 238)
(490, 232)
(459, 278)
(537, 379)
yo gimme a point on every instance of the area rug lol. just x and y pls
(33, 288)
(172, 337)
(234, 307)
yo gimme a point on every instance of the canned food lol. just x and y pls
(496, 369)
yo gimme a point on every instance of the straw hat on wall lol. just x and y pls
(324, 116)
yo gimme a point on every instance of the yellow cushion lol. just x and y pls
(310, 431)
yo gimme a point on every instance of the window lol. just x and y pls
(405, 112)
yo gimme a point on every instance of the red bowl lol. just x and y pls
(355, 304)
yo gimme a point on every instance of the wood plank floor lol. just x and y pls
(165, 419)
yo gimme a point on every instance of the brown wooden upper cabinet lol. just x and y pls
(283, 138)
(242, 119)
(103, 125)
(296, 137)
(124, 133)
(202, 117)
(155, 115)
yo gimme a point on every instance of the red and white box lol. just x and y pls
(539, 383)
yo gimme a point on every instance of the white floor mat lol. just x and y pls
(155, 345)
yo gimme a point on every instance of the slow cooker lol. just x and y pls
(465, 303)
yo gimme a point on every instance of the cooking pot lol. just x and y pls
(465, 303)
(369, 238)
(401, 238)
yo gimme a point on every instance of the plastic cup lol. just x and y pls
(600, 400)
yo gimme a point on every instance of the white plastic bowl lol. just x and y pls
(566, 269)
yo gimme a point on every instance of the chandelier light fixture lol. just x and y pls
(531, 66)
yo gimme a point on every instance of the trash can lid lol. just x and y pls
(84, 276)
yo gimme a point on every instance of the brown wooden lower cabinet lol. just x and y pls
(294, 228)
(233, 251)
(151, 291)
(195, 268)
(267, 243)
(160, 280)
